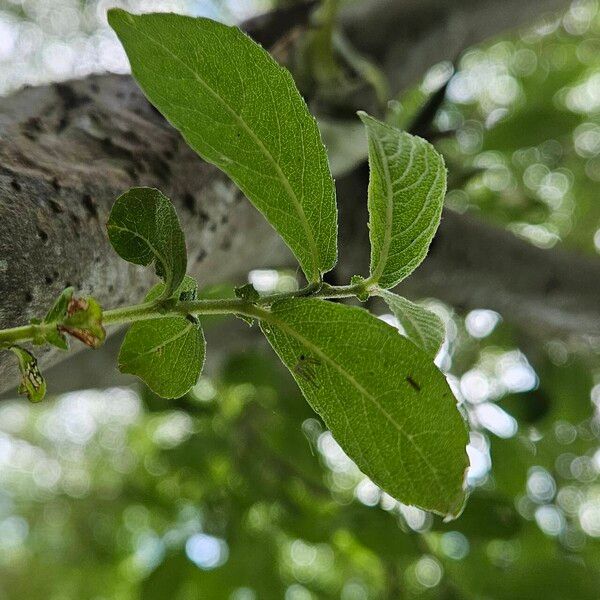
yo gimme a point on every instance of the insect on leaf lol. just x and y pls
(238, 109)
(143, 228)
(406, 194)
(166, 353)
(381, 396)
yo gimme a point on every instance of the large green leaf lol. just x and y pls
(381, 396)
(238, 109)
(422, 326)
(166, 353)
(143, 228)
(406, 194)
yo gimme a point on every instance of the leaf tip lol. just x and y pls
(455, 509)
(364, 116)
(115, 16)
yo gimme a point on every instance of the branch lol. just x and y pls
(68, 150)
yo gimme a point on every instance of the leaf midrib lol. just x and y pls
(284, 180)
(389, 213)
(164, 343)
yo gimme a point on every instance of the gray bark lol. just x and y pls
(67, 151)
(408, 36)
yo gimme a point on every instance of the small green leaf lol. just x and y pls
(166, 353)
(247, 292)
(33, 384)
(382, 397)
(55, 317)
(359, 280)
(143, 228)
(406, 194)
(58, 311)
(84, 322)
(238, 109)
(422, 326)
(56, 338)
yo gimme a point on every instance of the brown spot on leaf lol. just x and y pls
(92, 334)
(82, 335)
(76, 305)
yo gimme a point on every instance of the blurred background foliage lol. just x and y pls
(236, 491)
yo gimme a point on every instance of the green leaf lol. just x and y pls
(247, 292)
(84, 322)
(33, 384)
(58, 311)
(238, 109)
(422, 326)
(55, 317)
(383, 399)
(143, 228)
(166, 353)
(406, 194)
(359, 280)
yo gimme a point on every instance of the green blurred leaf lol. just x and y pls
(530, 577)
(406, 194)
(511, 460)
(166, 353)
(241, 111)
(381, 396)
(33, 384)
(422, 326)
(379, 531)
(486, 516)
(143, 228)
(252, 563)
